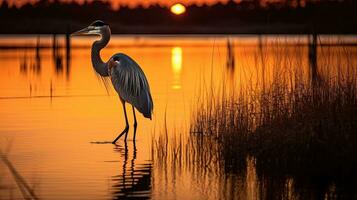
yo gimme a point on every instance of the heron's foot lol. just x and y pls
(126, 130)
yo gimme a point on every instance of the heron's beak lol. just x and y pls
(86, 31)
(81, 32)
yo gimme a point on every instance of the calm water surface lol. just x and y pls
(57, 116)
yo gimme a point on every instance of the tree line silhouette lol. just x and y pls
(248, 16)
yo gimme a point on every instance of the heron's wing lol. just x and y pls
(131, 84)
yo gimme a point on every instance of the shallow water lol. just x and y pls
(58, 118)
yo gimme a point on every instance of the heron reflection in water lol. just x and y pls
(127, 77)
(135, 180)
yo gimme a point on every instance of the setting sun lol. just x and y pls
(178, 9)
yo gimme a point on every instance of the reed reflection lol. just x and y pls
(227, 176)
(31, 64)
(57, 56)
(135, 180)
(24, 64)
(68, 54)
(37, 64)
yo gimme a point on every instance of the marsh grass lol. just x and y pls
(275, 133)
(288, 120)
(26, 190)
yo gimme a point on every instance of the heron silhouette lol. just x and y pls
(127, 77)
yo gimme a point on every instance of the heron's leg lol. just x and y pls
(126, 127)
(135, 123)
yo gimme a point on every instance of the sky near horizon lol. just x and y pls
(132, 3)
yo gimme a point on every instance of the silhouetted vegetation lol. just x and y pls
(47, 16)
(26, 190)
(291, 126)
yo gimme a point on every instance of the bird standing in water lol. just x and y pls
(127, 77)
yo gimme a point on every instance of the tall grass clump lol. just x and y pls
(290, 121)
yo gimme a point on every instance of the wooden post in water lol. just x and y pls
(57, 57)
(37, 66)
(230, 55)
(51, 90)
(68, 51)
(313, 57)
(54, 49)
(54, 45)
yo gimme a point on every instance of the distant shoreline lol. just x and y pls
(256, 29)
(245, 17)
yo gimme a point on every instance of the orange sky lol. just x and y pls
(134, 3)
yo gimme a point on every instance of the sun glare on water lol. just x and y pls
(178, 9)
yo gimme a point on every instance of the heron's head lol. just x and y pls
(95, 28)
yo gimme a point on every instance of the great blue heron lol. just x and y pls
(126, 75)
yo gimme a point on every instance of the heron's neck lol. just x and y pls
(98, 64)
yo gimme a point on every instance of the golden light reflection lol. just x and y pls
(64, 127)
(178, 9)
(176, 64)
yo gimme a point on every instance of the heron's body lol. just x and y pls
(130, 82)
(127, 77)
